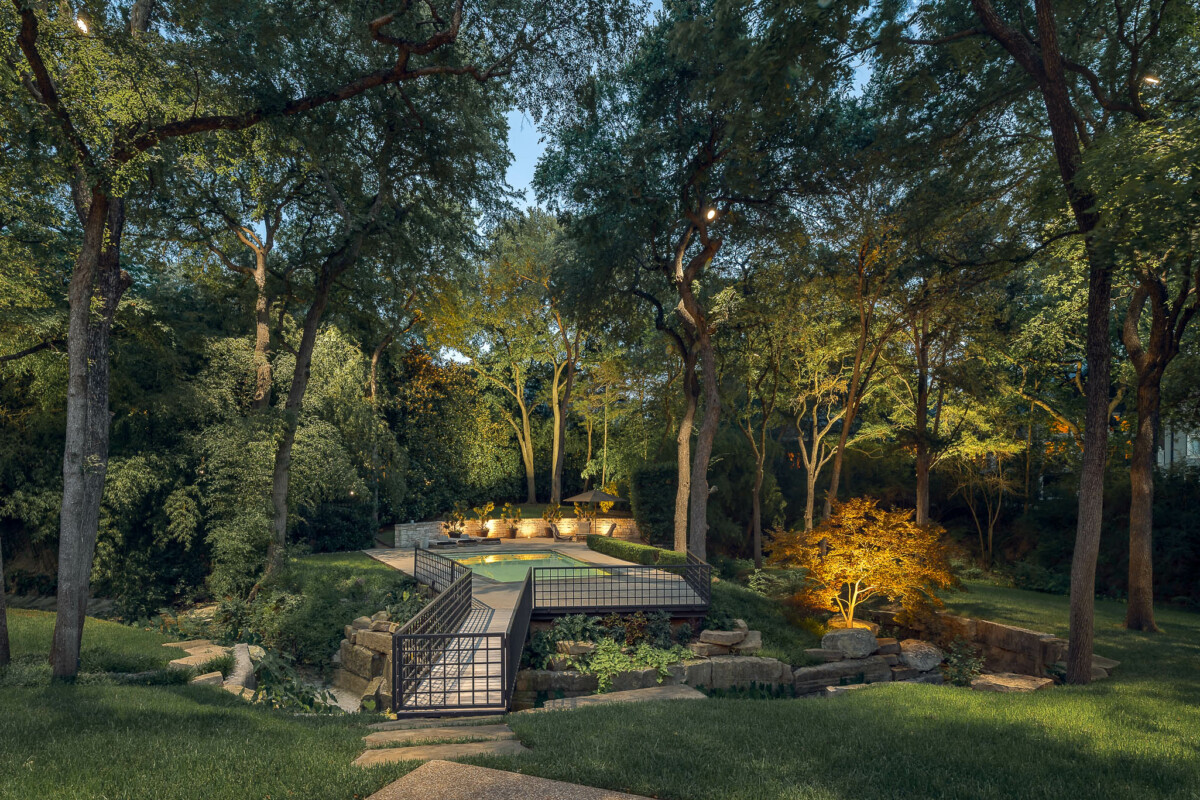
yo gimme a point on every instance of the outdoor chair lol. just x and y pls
(560, 537)
(491, 540)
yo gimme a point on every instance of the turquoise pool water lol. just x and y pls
(511, 567)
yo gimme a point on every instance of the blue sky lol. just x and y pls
(525, 143)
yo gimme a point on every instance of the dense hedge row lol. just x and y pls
(632, 551)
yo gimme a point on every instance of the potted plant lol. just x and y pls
(552, 514)
(510, 517)
(484, 513)
(586, 513)
(457, 520)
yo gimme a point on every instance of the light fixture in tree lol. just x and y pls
(81, 22)
(1153, 81)
(711, 214)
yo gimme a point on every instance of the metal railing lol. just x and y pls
(684, 588)
(437, 667)
(437, 571)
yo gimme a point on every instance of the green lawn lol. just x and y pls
(1136, 735)
(107, 646)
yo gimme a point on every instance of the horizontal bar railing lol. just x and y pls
(518, 629)
(622, 588)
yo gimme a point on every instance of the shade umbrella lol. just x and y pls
(594, 496)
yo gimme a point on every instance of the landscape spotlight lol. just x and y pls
(1153, 81)
(711, 214)
(81, 23)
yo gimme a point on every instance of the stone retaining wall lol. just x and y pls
(1004, 648)
(410, 534)
(364, 660)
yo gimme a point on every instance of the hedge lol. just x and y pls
(632, 551)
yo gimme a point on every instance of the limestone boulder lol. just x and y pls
(837, 623)
(362, 623)
(635, 679)
(242, 673)
(731, 671)
(851, 642)
(697, 672)
(560, 663)
(1010, 682)
(380, 616)
(886, 645)
(707, 649)
(378, 641)
(821, 654)
(724, 638)
(750, 645)
(921, 656)
(902, 673)
(575, 648)
(208, 679)
(873, 669)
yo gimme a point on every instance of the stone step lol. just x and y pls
(446, 733)
(434, 722)
(446, 781)
(190, 645)
(199, 657)
(445, 752)
(672, 692)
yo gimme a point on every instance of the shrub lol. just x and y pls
(632, 551)
(335, 527)
(963, 664)
(652, 501)
(610, 659)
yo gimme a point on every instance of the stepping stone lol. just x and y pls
(483, 733)
(674, 692)
(198, 658)
(1106, 664)
(208, 679)
(193, 644)
(834, 691)
(447, 781)
(1010, 682)
(434, 722)
(390, 755)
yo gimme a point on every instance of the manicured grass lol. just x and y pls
(1133, 736)
(107, 646)
(84, 742)
(781, 639)
(174, 743)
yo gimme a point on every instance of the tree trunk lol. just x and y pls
(1139, 614)
(921, 340)
(526, 443)
(683, 459)
(561, 401)
(756, 507)
(262, 333)
(291, 413)
(85, 455)
(698, 504)
(5, 653)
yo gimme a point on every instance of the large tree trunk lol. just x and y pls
(698, 503)
(291, 414)
(1091, 480)
(85, 455)
(1139, 614)
(683, 451)
(923, 460)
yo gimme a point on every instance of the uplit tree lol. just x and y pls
(862, 551)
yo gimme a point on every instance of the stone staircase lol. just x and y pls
(440, 739)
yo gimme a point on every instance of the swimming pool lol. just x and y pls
(511, 567)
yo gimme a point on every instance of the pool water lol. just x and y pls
(511, 567)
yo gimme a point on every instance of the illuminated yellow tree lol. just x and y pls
(862, 551)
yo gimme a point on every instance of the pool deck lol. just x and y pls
(494, 602)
